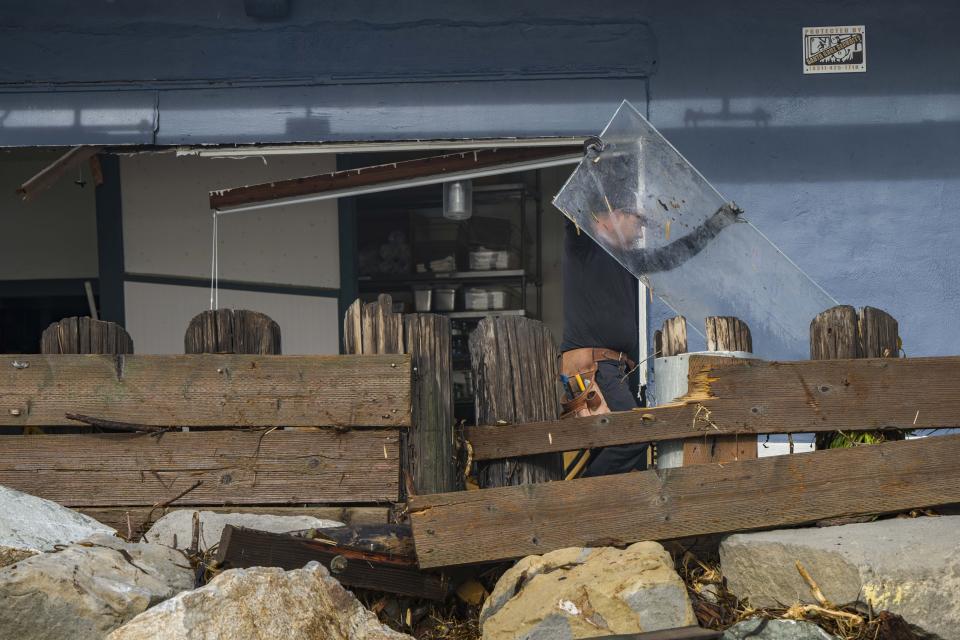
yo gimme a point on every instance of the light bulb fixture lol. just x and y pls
(458, 200)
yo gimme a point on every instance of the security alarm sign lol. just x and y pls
(834, 49)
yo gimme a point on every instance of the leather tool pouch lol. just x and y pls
(586, 403)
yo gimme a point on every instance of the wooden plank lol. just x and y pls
(510, 522)
(755, 397)
(382, 174)
(365, 570)
(132, 519)
(233, 467)
(207, 390)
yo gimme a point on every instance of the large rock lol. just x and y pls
(759, 629)
(30, 525)
(175, 529)
(910, 567)
(261, 603)
(87, 589)
(580, 593)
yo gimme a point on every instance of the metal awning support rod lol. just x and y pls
(387, 177)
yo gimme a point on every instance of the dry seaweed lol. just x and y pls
(717, 608)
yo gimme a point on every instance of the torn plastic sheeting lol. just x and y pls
(650, 209)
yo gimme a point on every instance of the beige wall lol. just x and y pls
(55, 234)
(157, 316)
(167, 221)
(167, 232)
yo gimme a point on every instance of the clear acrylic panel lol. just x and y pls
(659, 217)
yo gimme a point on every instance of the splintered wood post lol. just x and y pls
(514, 362)
(232, 331)
(724, 333)
(673, 337)
(85, 335)
(428, 449)
(842, 332)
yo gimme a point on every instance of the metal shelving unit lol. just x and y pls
(527, 277)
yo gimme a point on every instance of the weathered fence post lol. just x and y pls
(842, 332)
(85, 335)
(81, 335)
(724, 333)
(515, 372)
(428, 451)
(232, 331)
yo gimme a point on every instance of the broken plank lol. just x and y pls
(206, 390)
(133, 519)
(233, 467)
(241, 548)
(757, 397)
(511, 522)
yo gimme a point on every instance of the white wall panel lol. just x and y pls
(167, 221)
(157, 316)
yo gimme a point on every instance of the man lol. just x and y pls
(600, 337)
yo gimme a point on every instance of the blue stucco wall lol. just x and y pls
(855, 176)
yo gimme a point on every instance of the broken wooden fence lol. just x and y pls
(512, 522)
(749, 397)
(357, 404)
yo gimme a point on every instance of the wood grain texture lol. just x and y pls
(673, 336)
(428, 448)
(511, 522)
(82, 335)
(756, 397)
(207, 390)
(516, 378)
(232, 331)
(117, 517)
(726, 333)
(240, 548)
(234, 467)
(844, 332)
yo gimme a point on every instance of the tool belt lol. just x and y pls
(585, 362)
(589, 401)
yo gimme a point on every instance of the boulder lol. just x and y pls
(909, 566)
(175, 529)
(583, 592)
(87, 589)
(261, 603)
(30, 525)
(760, 629)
